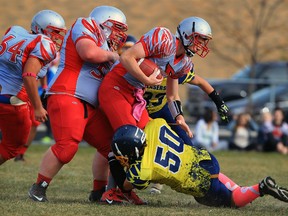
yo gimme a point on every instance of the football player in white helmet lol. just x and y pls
(113, 22)
(88, 53)
(194, 34)
(18, 73)
(51, 24)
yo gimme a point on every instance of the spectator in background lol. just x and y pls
(241, 133)
(274, 133)
(266, 119)
(206, 133)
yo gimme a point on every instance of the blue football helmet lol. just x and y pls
(128, 144)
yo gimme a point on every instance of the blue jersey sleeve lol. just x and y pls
(187, 77)
(133, 176)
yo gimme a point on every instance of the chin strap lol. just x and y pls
(188, 52)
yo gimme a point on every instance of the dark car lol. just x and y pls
(239, 85)
(268, 97)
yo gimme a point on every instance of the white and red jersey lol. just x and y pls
(74, 76)
(160, 46)
(16, 47)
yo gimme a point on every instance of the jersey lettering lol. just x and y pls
(14, 49)
(156, 99)
(169, 159)
(100, 73)
(97, 75)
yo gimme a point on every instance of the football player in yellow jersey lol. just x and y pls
(158, 107)
(159, 155)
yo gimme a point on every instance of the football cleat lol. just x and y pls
(133, 198)
(95, 196)
(38, 192)
(155, 191)
(19, 157)
(156, 188)
(269, 186)
(113, 197)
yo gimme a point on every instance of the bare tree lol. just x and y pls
(254, 30)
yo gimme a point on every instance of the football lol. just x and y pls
(148, 67)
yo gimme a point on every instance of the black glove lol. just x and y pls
(43, 98)
(221, 106)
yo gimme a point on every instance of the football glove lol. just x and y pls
(221, 106)
(223, 112)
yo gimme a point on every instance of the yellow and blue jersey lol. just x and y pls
(155, 96)
(167, 160)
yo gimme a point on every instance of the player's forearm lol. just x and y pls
(203, 84)
(117, 171)
(30, 85)
(90, 52)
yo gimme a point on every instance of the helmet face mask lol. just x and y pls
(124, 161)
(115, 33)
(57, 35)
(113, 22)
(200, 44)
(194, 32)
(51, 24)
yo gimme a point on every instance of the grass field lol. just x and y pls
(68, 192)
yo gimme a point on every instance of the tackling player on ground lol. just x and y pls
(159, 155)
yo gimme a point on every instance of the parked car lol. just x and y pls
(269, 97)
(237, 87)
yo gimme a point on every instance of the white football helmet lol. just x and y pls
(189, 30)
(51, 24)
(113, 22)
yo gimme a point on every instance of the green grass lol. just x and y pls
(68, 192)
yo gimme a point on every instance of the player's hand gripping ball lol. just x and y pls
(148, 67)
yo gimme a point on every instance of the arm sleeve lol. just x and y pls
(117, 171)
(133, 176)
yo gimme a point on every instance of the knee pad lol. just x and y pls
(64, 152)
(8, 154)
